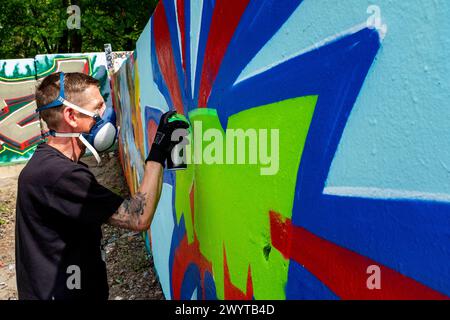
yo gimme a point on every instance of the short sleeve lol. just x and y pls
(77, 195)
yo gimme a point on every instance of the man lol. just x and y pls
(61, 206)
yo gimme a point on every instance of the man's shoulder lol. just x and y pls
(47, 165)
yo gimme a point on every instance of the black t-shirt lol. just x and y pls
(59, 212)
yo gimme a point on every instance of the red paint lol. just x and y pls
(232, 292)
(151, 131)
(165, 56)
(341, 270)
(4, 111)
(225, 19)
(181, 24)
(185, 255)
(86, 67)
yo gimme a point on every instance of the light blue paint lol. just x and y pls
(149, 92)
(196, 18)
(397, 135)
(194, 295)
(162, 230)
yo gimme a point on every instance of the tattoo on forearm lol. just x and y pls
(127, 216)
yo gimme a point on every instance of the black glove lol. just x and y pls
(163, 144)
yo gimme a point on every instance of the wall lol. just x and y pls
(20, 130)
(363, 123)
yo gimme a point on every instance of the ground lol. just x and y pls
(130, 268)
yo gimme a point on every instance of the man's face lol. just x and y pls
(91, 100)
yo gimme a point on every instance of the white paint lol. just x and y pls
(378, 193)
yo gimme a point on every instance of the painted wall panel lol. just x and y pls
(20, 129)
(361, 174)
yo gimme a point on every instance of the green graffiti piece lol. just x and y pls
(232, 201)
(9, 156)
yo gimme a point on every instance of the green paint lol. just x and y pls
(10, 155)
(232, 201)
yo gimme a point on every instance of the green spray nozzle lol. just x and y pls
(178, 117)
(170, 164)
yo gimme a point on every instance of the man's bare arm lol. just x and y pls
(136, 213)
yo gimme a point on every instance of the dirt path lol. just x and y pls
(8, 186)
(130, 268)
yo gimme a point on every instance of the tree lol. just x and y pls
(31, 27)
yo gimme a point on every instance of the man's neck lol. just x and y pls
(67, 146)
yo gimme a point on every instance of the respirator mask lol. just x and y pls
(102, 135)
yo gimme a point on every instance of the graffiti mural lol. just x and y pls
(342, 203)
(20, 128)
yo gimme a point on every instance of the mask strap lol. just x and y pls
(79, 109)
(91, 148)
(76, 135)
(60, 100)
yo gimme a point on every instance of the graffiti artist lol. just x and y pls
(61, 206)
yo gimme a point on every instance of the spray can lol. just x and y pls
(177, 158)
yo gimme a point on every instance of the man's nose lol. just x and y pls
(101, 111)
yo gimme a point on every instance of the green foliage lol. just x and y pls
(31, 27)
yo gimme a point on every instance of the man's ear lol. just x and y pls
(70, 117)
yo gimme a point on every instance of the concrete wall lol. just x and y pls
(360, 204)
(20, 129)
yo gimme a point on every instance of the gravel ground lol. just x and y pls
(130, 269)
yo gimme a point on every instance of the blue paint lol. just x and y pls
(210, 287)
(323, 67)
(193, 23)
(191, 283)
(259, 22)
(303, 285)
(176, 49)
